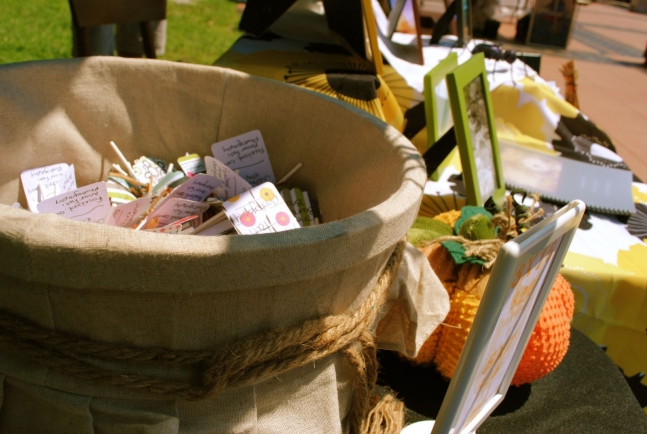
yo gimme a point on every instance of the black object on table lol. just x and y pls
(586, 393)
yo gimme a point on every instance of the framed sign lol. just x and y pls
(438, 117)
(478, 146)
(521, 279)
(437, 110)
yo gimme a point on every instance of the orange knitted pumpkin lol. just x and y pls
(465, 284)
(549, 341)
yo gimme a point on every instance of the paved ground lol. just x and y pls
(607, 45)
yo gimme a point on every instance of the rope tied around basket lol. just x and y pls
(237, 364)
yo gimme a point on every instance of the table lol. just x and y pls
(606, 265)
(590, 398)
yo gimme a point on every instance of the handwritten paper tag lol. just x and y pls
(68, 181)
(197, 188)
(175, 209)
(260, 210)
(232, 183)
(247, 154)
(49, 177)
(89, 203)
(130, 213)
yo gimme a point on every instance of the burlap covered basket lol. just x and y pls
(84, 291)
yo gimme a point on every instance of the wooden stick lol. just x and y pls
(150, 186)
(41, 192)
(169, 169)
(118, 168)
(123, 159)
(290, 173)
(220, 217)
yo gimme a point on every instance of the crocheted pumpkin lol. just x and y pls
(465, 284)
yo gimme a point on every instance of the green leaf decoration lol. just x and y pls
(430, 224)
(426, 229)
(467, 212)
(457, 252)
(420, 237)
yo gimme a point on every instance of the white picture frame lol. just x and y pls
(521, 279)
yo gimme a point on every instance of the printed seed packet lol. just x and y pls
(260, 210)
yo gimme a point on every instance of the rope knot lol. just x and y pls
(240, 363)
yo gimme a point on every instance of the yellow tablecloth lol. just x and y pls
(606, 265)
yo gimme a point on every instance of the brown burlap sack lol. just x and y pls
(181, 302)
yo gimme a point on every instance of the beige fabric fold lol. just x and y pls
(181, 292)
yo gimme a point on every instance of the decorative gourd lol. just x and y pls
(465, 284)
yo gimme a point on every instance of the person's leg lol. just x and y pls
(101, 41)
(129, 39)
(159, 36)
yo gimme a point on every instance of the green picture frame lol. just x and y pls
(435, 77)
(439, 118)
(471, 105)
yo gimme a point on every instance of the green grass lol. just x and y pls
(198, 32)
(201, 32)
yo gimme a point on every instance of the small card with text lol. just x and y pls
(232, 184)
(89, 203)
(176, 209)
(248, 155)
(51, 178)
(128, 214)
(260, 210)
(197, 188)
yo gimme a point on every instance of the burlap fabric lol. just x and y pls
(184, 293)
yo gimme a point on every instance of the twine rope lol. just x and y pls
(487, 250)
(237, 364)
(509, 227)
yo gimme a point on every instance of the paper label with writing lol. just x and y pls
(68, 181)
(232, 183)
(175, 209)
(197, 188)
(130, 213)
(89, 203)
(48, 177)
(260, 210)
(247, 154)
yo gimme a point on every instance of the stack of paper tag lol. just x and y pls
(233, 190)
